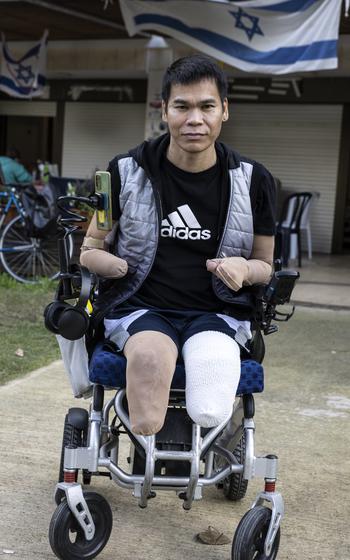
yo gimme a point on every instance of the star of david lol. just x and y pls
(24, 74)
(242, 21)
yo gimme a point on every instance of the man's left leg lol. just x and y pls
(213, 367)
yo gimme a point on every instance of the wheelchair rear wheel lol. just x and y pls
(67, 538)
(76, 437)
(249, 539)
(235, 486)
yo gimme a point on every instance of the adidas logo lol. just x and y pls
(183, 224)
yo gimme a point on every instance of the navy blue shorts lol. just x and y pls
(178, 325)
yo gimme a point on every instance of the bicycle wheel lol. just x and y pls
(29, 259)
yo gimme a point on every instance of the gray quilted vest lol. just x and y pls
(139, 223)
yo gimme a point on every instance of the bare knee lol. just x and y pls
(148, 384)
(142, 360)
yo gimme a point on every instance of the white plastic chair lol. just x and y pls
(295, 220)
(303, 226)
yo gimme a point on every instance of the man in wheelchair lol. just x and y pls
(193, 233)
(196, 222)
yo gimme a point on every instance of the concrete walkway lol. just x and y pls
(324, 282)
(303, 416)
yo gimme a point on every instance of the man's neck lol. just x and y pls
(194, 162)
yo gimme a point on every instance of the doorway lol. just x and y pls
(32, 136)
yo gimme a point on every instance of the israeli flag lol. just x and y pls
(24, 77)
(262, 36)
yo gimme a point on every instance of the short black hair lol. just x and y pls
(190, 70)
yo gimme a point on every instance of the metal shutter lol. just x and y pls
(96, 132)
(299, 144)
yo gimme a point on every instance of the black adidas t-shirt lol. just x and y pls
(194, 208)
(191, 205)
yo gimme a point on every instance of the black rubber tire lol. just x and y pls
(71, 436)
(87, 477)
(63, 525)
(249, 538)
(29, 259)
(235, 486)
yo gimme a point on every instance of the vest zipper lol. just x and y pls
(159, 213)
(226, 221)
(214, 278)
(100, 315)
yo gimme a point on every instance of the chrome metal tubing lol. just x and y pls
(111, 443)
(209, 462)
(207, 440)
(149, 471)
(224, 473)
(106, 410)
(173, 455)
(94, 438)
(173, 482)
(249, 429)
(212, 435)
(194, 474)
(226, 454)
(233, 431)
(189, 484)
(119, 409)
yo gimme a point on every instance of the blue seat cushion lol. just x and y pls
(108, 368)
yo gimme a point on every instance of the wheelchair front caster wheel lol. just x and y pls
(67, 538)
(248, 542)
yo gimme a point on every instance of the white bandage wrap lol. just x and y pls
(213, 368)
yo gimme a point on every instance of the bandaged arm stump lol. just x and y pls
(236, 272)
(95, 256)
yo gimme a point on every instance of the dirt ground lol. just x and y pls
(302, 416)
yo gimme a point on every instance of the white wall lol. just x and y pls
(299, 144)
(95, 132)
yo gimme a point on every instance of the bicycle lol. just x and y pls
(26, 253)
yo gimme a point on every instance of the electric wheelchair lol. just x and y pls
(183, 456)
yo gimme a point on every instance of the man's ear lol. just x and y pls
(225, 114)
(164, 113)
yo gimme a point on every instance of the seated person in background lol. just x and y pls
(195, 222)
(12, 172)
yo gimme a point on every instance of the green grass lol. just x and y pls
(22, 326)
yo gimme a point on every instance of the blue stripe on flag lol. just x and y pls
(285, 55)
(290, 6)
(21, 89)
(32, 52)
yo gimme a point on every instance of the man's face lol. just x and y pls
(194, 115)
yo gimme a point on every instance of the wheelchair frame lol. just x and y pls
(95, 456)
(214, 447)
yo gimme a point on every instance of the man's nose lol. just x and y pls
(195, 116)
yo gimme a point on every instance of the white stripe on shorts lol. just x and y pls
(124, 322)
(236, 324)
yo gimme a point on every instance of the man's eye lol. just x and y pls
(181, 107)
(208, 106)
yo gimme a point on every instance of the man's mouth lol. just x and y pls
(193, 135)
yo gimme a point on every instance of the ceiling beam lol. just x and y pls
(75, 13)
